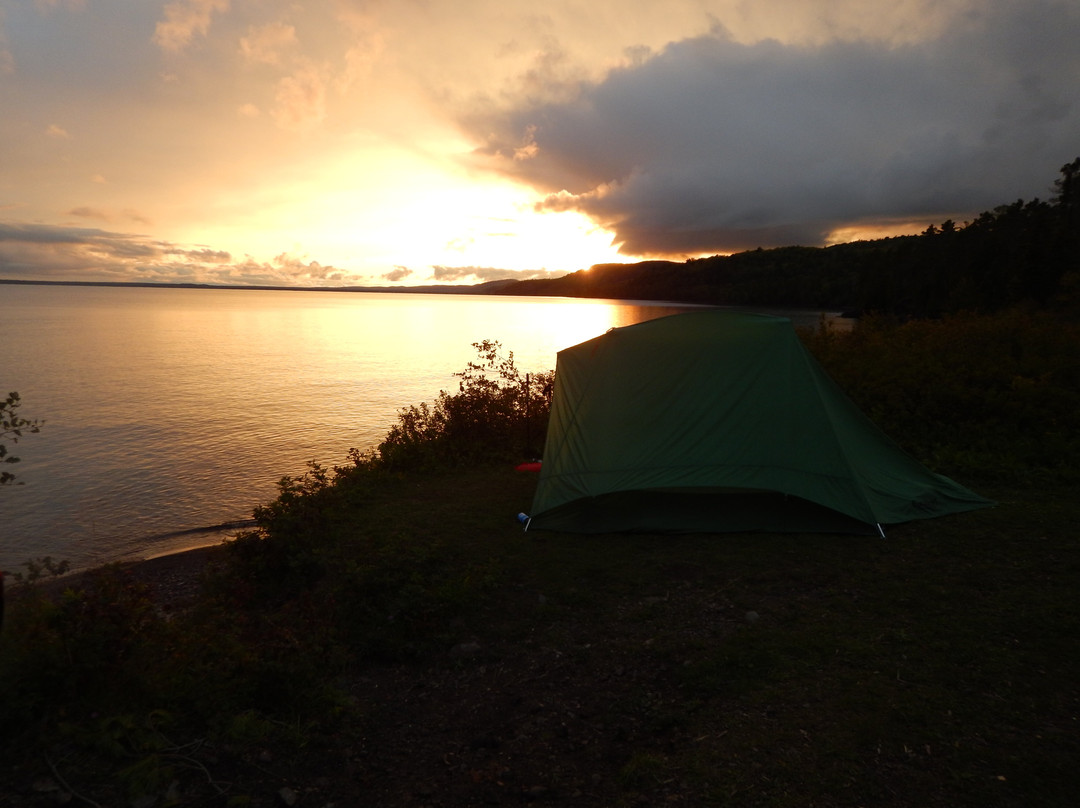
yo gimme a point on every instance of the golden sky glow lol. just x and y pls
(407, 142)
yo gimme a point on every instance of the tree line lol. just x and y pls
(1026, 252)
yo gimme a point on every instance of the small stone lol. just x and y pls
(752, 617)
(288, 796)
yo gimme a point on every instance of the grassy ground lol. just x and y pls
(937, 667)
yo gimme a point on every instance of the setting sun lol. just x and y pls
(396, 215)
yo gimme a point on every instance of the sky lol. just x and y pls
(409, 142)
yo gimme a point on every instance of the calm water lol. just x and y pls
(172, 410)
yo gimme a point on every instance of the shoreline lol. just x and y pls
(173, 579)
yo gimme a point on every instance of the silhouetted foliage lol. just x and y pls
(12, 427)
(992, 397)
(498, 413)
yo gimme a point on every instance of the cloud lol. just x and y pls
(183, 20)
(396, 274)
(266, 44)
(51, 234)
(54, 252)
(135, 216)
(54, 131)
(89, 213)
(444, 274)
(296, 270)
(714, 145)
(300, 100)
(86, 212)
(207, 255)
(30, 251)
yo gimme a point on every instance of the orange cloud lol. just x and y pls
(184, 19)
(89, 213)
(300, 99)
(266, 43)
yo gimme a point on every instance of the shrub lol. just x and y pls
(982, 394)
(497, 414)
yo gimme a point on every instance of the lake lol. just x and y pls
(170, 411)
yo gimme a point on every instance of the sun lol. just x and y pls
(517, 236)
(381, 212)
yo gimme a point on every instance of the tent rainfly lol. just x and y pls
(713, 421)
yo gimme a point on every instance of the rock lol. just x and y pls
(752, 617)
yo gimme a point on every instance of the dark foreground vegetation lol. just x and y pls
(388, 635)
(1024, 251)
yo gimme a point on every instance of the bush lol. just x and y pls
(987, 395)
(497, 414)
(81, 640)
(318, 538)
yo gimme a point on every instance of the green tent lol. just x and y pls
(714, 421)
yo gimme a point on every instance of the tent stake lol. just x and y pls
(881, 530)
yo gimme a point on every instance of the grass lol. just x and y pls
(937, 667)
(394, 638)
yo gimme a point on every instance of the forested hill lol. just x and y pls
(1024, 252)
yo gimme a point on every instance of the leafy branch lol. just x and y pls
(12, 427)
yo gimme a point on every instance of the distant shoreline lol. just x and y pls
(499, 288)
(488, 287)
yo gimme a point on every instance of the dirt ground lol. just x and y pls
(553, 721)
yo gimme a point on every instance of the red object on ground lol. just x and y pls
(527, 466)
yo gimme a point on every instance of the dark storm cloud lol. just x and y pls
(715, 145)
